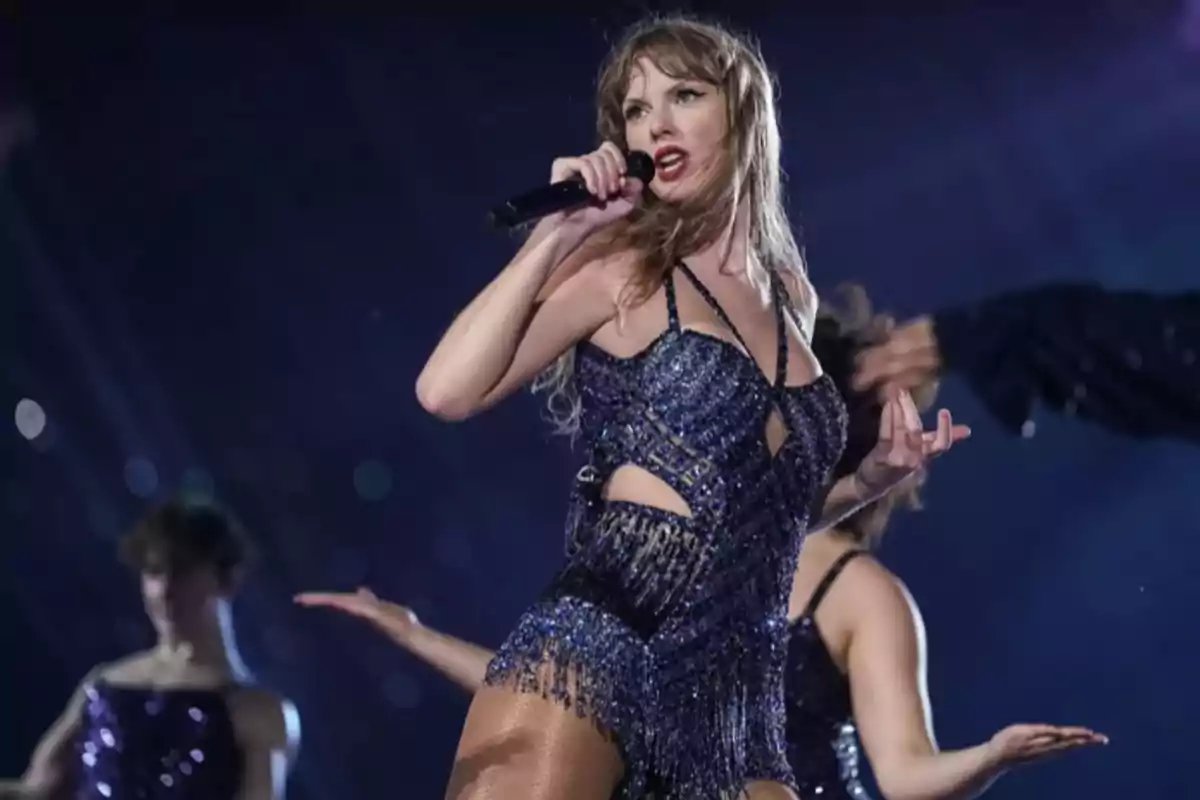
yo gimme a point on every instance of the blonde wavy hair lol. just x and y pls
(748, 178)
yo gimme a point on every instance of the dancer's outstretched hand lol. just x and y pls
(904, 446)
(1022, 744)
(395, 620)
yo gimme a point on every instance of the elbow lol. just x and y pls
(886, 783)
(440, 402)
(890, 790)
(895, 783)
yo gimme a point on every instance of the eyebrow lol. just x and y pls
(680, 83)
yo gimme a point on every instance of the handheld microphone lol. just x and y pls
(562, 195)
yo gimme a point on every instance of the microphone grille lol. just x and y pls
(640, 165)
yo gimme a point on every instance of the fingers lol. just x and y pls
(591, 170)
(614, 162)
(911, 427)
(1031, 742)
(908, 408)
(602, 171)
(886, 422)
(944, 436)
(321, 598)
(899, 427)
(361, 602)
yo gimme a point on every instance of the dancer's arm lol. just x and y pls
(886, 665)
(903, 448)
(1126, 360)
(550, 296)
(52, 766)
(268, 728)
(461, 661)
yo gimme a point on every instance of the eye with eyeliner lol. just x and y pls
(683, 94)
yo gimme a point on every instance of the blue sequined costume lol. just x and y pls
(176, 744)
(822, 739)
(670, 631)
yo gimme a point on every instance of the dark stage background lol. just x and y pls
(226, 246)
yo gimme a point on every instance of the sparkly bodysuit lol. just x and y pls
(670, 630)
(176, 744)
(822, 739)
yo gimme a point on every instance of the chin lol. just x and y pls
(672, 193)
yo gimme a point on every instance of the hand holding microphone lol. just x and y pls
(588, 191)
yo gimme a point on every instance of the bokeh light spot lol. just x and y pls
(372, 480)
(30, 419)
(141, 477)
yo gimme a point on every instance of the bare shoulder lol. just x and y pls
(127, 669)
(265, 717)
(879, 596)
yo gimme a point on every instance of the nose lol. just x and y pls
(661, 124)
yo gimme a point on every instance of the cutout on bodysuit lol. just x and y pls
(777, 432)
(775, 429)
(639, 485)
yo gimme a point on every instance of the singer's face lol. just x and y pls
(680, 123)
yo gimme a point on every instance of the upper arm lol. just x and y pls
(575, 304)
(269, 730)
(51, 766)
(887, 676)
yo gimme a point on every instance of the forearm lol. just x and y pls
(478, 348)
(949, 775)
(460, 661)
(845, 497)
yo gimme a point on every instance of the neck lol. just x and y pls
(208, 643)
(729, 252)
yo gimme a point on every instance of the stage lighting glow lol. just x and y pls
(30, 419)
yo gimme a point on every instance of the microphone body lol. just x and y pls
(562, 195)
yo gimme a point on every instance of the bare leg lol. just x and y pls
(767, 790)
(520, 746)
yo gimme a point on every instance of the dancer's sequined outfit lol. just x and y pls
(822, 739)
(176, 744)
(670, 631)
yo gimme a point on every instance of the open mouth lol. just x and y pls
(670, 163)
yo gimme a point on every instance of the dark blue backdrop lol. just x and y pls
(230, 244)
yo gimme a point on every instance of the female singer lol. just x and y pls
(675, 326)
(856, 657)
(182, 720)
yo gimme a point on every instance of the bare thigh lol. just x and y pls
(520, 746)
(767, 790)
